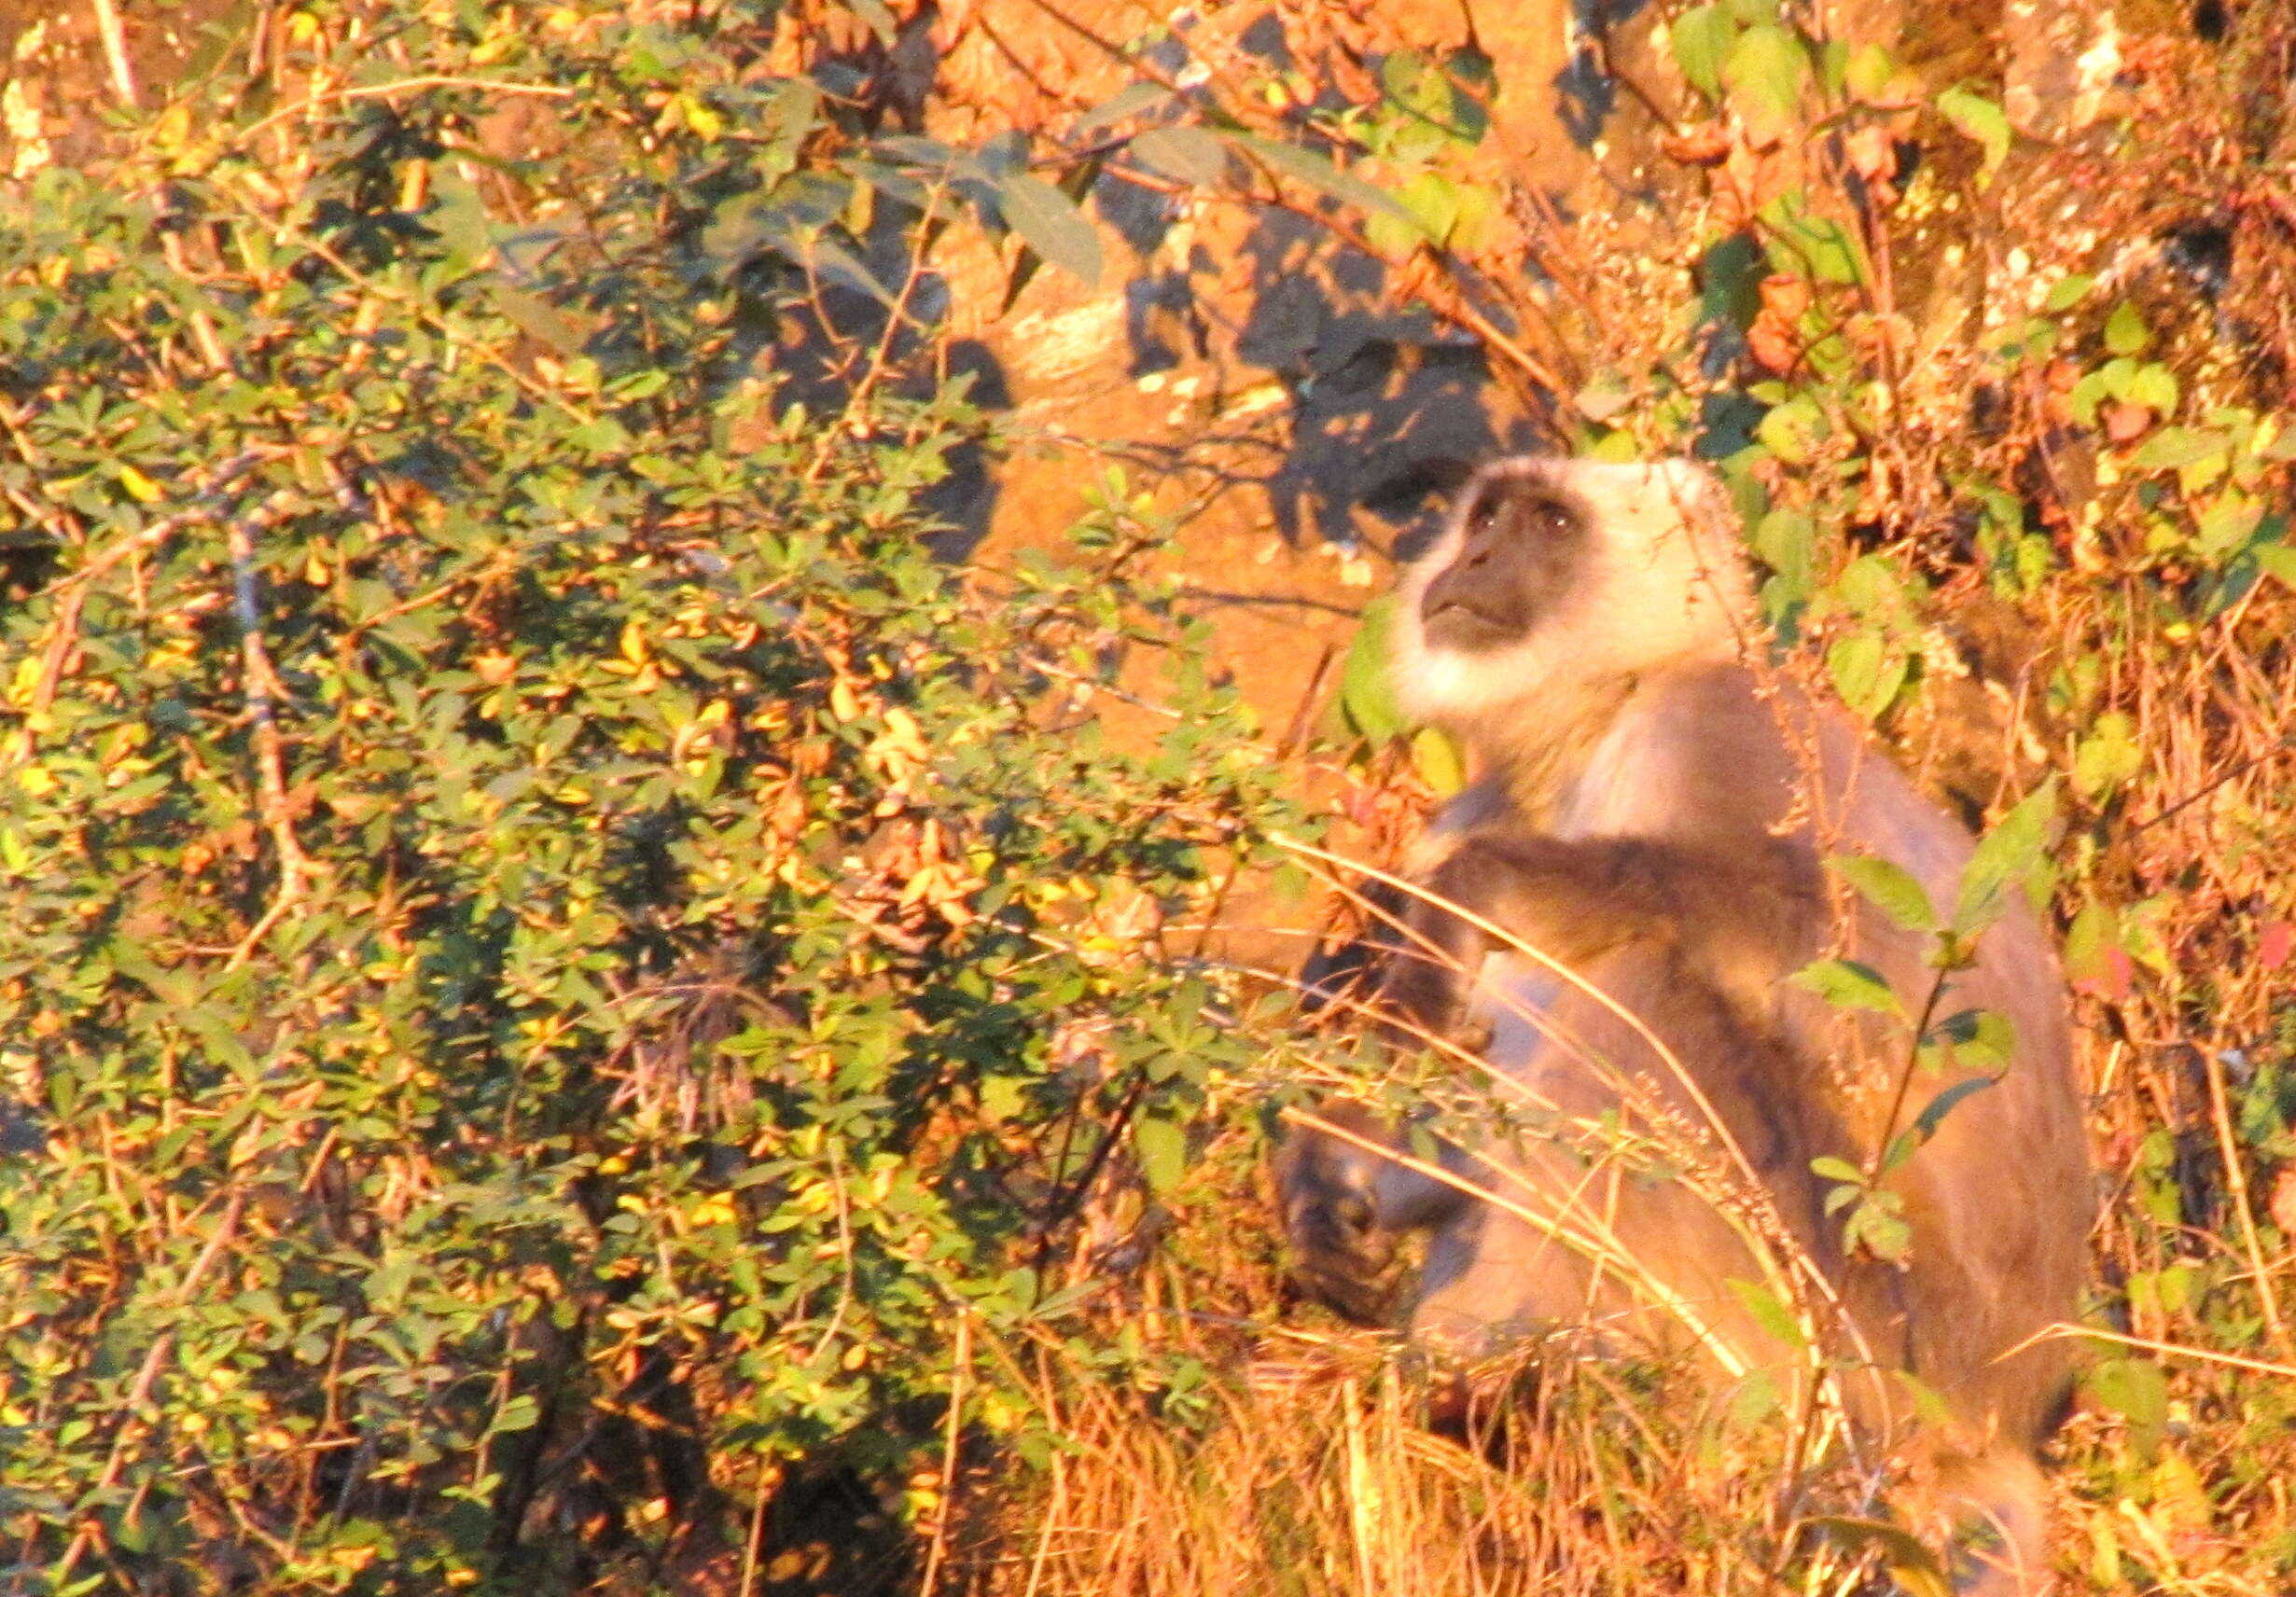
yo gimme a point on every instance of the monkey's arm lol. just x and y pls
(1575, 899)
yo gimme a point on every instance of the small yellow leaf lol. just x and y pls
(635, 648)
(140, 488)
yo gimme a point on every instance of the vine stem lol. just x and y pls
(1905, 1078)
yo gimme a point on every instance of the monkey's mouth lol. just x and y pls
(1454, 621)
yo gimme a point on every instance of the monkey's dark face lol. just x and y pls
(1522, 545)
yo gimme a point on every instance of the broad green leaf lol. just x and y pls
(2174, 446)
(1933, 1112)
(1367, 687)
(1129, 101)
(1869, 72)
(2107, 757)
(1911, 1563)
(1769, 1314)
(2137, 1390)
(1971, 1039)
(1163, 1148)
(1701, 38)
(1319, 174)
(1050, 224)
(2068, 292)
(1438, 761)
(1890, 887)
(2125, 332)
(1982, 119)
(1846, 984)
(1764, 72)
(1189, 154)
(2005, 859)
(1866, 671)
(1793, 429)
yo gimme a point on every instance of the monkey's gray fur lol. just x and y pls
(1653, 813)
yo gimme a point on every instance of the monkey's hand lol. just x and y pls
(1431, 973)
(1571, 899)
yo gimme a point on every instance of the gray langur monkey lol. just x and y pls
(1653, 817)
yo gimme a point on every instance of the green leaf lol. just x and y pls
(1982, 119)
(1846, 984)
(1866, 671)
(2107, 757)
(2125, 332)
(1769, 1314)
(1162, 1145)
(1793, 429)
(1833, 1167)
(1050, 224)
(1911, 1564)
(1869, 72)
(1438, 761)
(1890, 888)
(1701, 38)
(1367, 687)
(2173, 447)
(1307, 167)
(1189, 154)
(2068, 292)
(1933, 1114)
(2004, 861)
(1129, 101)
(2153, 386)
(1763, 72)
(2137, 1390)
(1971, 1039)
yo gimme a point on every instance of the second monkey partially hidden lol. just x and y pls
(1653, 813)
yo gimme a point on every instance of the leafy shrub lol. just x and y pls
(552, 956)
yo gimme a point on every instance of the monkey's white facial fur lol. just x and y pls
(1554, 574)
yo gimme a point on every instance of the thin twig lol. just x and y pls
(959, 1368)
(373, 91)
(262, 689)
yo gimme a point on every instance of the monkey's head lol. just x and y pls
(1556, 575)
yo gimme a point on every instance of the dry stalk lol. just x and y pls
(2236, 1177)
(945, 1511)
(116, 51)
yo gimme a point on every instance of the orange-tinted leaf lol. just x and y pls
(2272, 944)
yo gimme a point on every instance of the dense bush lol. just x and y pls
(552, 957)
